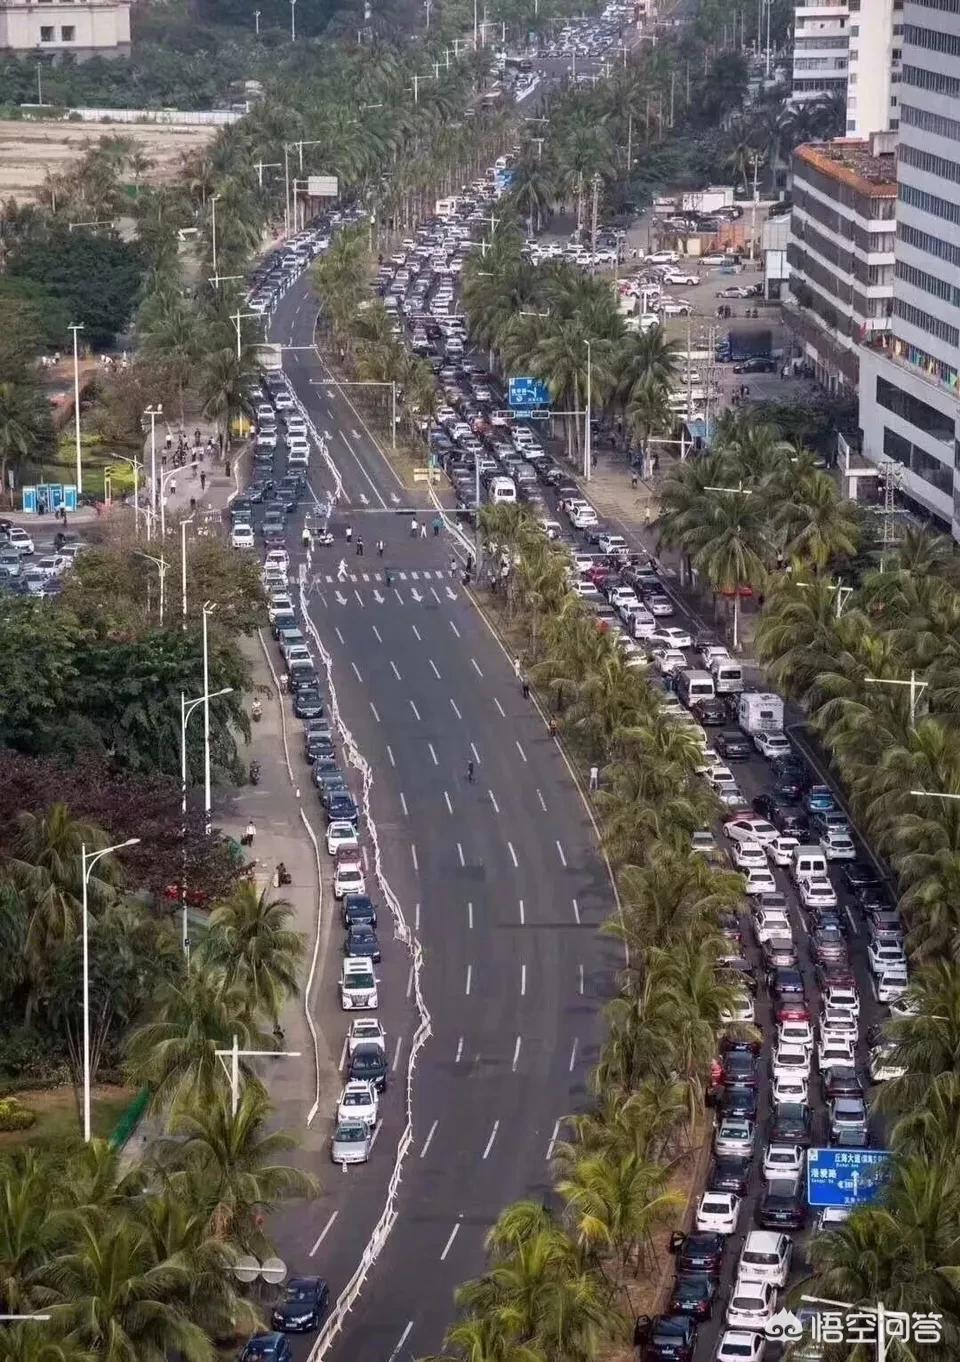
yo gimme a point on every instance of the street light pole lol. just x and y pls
(183, 568)
(232, 1070)
(208, 609)
(78, 326)
(87, 861)
(256, 23)
(161, 566)
(587, 438)
(213, 232)
(293, 21)
(186, 709)
(136, 466)
(153, 413)
(916, 690)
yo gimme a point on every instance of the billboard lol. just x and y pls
(322, 186)
(845, 1177)
(528, 394)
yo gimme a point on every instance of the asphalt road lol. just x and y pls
(502, 877)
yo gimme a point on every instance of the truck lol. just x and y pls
(706, 201)
(269, 358)
(746, 342)
(760, 712)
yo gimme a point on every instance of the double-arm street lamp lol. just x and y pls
(88, 860)
(186, 709)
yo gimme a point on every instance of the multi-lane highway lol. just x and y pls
(501, 879)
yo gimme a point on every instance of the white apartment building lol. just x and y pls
(840, 254)
(909, 393)
(820, 48)
(49, 28)
(875, 34)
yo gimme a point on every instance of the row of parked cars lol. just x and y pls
(25, 573)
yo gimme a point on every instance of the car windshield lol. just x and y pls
(360, 981)
(300, 1293)
(351, 1134)
(356, 1099)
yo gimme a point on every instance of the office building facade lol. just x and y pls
(50, 28)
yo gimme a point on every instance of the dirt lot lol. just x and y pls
(28, 150)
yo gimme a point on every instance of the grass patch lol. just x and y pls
(58, 1119)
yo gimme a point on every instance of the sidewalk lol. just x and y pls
(181, 486)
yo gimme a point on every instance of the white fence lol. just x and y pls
(183, 118)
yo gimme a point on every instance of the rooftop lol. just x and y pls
(853, 163)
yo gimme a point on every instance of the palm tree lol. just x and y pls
(646, 358)
(224, 378)
(20, 427)
(531, 190)
(724, 546)
(176, 1052)
(31, 1231)
(235, 1162)
(120, 1300)
(616, 1205)
(818, 525)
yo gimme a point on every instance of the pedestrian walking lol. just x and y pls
(594, 777)
(163, 460)
(413, 528)
(525, 688)
(379, 548)
(193, 505)
(249, 834)
(173, 487)
(437, 526)
(453, 566)
(284, 682)
(423, 531)
(169, 443)
(348, 534)
(226, 467)
(193, 469)
(307, 538)
(196, 436)
(359, 546)
(342, 570)
(203, 481)
(516, 667)
(634, 479)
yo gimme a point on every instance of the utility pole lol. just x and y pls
(596, 207)
(673, 82)
(579, 204)
(753, 206)
(689, 375)
(588, 435)
(629, 143)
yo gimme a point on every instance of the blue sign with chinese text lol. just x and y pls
(845, 1177)
(528, 394)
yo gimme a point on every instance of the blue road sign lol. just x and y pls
(845, 1177)
(528, 393)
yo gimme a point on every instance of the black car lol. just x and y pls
(284, 619)
(710, 713)
(782, 1205)
(326, 772)
(359, 908)
(729, 1174)
(757, 365)
(792, 1124)
(841, 1083)
(361, 940)
(786, 986)
(320, 746)
(693, 1294)
(303, 678)
(672, 1338)
(303, 1305)
(739, 1069)
(733, 745)
(370, 1062)
(342, 806)
(699, 1252)
(787, 779)
(784, 814)
(307, 703)
(738, 1101)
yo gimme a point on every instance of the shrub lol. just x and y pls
(15, 1117)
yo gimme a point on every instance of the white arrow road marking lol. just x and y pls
(416, 595)
(326, 433)
(341, 599)
(377, 597)
(355, 433)
(394, 498)
(365, 499)
(451, 595)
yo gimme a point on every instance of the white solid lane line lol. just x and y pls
(449, 1244)
(403, 1337)
(469, 979)
(339, 635)
(323, 1233)
(503, 712)
(403, 805)
(516, 1054)
(455, 710)
(426, 1144)
(396, 1054)
(343, 1055)
(493, 1136)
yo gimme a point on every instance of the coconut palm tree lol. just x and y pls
(816, 523)
(224, 378)
(235, 1161)
(615, 1206)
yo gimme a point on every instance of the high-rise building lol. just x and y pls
(875, 32)
(909, 392)
(50, 28)
(840, 253)
(820, 49)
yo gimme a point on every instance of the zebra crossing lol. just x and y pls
(406, 587)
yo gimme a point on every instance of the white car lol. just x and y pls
(298, 444)
(661, 606)
(782, 1161)
(765, 1257)
(902, 1007)
(836, 1052)
(838, 846)
(790, 1059)
(752, 1304)
(17, 538)
(746, 828)
(770, 924)
(366, 1031)
(882, 1066)
(241, 537)
(728, 792)
(284, 402)
(348, 879)
(748, 856)
(52, 565)
(759, 880)
(890, 986)
(583, 517)
(621, 596)
(795, 1032)
(718, 1211)
(358, 1102)
(341, 836)
(351, 1142)
(817, 892)
(772, 745)
(839, 1021)
(737, 1345)
(612, 543)
(673, 637)
(277, 559)
(280, 603)
(781, 850)
(790, 1087)
(668, 660)
(741, 1010)
(841, 995)
(585, 589)
(266, 416)
(679, 277)
(674, 307)
(883, 955)
(267, 438)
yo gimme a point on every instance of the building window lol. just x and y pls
(923, 79)
(939, 288)
(67, 33)
(930, 203)
(916, 413)
(925, 321)
(940, 166)
(931, 122)
(931, 368)
(946, 6)
(931, 245)
(933, 39)
(46, 33)
(921, 463)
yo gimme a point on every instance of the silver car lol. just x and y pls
(351, 1142)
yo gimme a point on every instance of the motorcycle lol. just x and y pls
(254, 773)
(325, 538)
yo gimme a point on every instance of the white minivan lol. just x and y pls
(241, 537)
(503, 491)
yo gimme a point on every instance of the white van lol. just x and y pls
(503, 491)
(241, 537)
(809, 862)
(761, 712)
(695, 685)
(727, 675)
(358, 984)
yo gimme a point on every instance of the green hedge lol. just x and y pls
(15, 1117)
